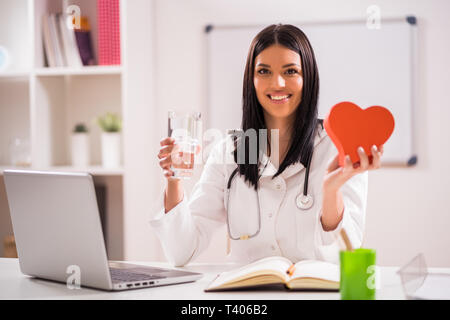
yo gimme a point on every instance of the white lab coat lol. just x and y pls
(186, 230)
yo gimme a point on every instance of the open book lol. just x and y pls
(304, 275)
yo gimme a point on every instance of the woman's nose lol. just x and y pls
(278, 81)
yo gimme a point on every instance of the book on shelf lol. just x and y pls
(115, 32)
(49, 48)
(108, 19)
(66, 46)
(53, 41)
(303, 275)
(83, 38)
(70, 46)
(60, 54)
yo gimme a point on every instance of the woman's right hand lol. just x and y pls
(164, 156)
(174, 191)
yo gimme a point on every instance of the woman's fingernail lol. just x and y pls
(360, 149)
(374, 147)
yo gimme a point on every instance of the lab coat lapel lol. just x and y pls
(266, 167)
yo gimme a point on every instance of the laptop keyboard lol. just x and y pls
(124, 275)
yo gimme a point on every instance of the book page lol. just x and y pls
(278, 265)
(316, 269)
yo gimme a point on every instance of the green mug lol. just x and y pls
(358, 271)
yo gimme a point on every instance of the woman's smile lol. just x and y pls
(278, 98)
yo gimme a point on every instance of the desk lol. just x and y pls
(15, 285)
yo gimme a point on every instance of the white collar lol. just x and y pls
(269, 169)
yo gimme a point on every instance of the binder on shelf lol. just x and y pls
(108, 19)
(103, 32)
(83, 38)
(115, 32)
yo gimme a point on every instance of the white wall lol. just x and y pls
(408, 211)
(141, 135)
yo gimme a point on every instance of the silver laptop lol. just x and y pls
(59, 235)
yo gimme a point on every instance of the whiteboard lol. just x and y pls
(365, 66)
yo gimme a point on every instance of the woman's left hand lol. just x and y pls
(336, 176)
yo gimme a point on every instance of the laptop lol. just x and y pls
(59, 235)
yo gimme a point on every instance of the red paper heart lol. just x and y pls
(349, 127)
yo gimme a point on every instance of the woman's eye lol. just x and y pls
(265, 71)
(291, 71)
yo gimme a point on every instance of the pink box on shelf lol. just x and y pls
(108, 19)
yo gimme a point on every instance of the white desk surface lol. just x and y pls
(15, 285)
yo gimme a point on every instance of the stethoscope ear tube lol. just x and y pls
(231, 179)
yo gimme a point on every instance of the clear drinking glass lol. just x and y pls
(20, 152)
(413, 275)
(186, 130)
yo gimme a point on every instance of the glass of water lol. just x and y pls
(186, 130)
(20, 152)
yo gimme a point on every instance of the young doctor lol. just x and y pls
(266, 205)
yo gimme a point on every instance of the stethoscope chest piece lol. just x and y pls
(304, 202)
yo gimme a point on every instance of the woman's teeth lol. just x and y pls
(279, 97)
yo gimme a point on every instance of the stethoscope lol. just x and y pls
(304, 201)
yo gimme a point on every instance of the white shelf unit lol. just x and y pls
(84, 71)
(42, 105)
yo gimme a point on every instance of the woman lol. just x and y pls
(281, 86)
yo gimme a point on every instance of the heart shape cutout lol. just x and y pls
(349, 127)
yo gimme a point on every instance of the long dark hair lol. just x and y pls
(306, 121)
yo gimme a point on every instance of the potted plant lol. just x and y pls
(80, 146)
(111, 125)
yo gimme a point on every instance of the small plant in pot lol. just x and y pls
(111, 125)
(80, 145)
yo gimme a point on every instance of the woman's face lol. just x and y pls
(278, 81)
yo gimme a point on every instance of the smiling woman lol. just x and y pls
(290, 203)
(281, 88)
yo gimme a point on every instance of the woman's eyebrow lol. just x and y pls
(285, 66)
